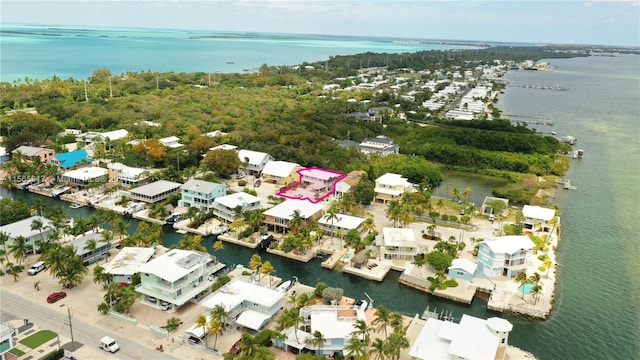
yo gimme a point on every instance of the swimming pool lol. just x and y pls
(527, 288)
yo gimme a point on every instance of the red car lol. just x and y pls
(56, 296)
(235, 349)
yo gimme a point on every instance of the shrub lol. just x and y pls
(242, 183)
(319, 289)
(220, 282)
(332, 294)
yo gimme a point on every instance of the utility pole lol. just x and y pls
(209, 79)
(73, 346)
(86, 96)
(110, 87)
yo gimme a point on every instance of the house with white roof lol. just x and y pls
(462, 269)
(280, 172)
(505, 256)
(391, 187)
(473, 339)
(127, 176)
(278, 218)
(84, 176)
(342, 222)
(334, 322)
(201, 194)
(225, 206)
(252, 305)
(92, 137)
(537, 218)
(224, 147)
(127, 263)
(349, 183)
(23, 228)
(398, 244)
(178, 276)
(380, 144)
(171, 142)
(155, 192)
(255, 160)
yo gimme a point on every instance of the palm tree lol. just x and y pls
(523, 280)
(191, 213)
(536, 290)
(397, 322)
(317, 339)
(215, 327)
(255, 263)
(369, 226)
(218, 245)
(100, 276)
(396, 342)
(392, 212)
(37, 225)
(121, 228)
(356, 349)
(220, 314)
(73, 271)
(201, 320)
(267, 269)
(330, 215)
(296, 220)
(91, 246)
(107, 237)
(419, 260)
(362, 330)
(382, 320)
(19, 249)
(379, 350)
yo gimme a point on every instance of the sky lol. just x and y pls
(603, 22)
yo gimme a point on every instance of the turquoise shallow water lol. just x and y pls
(598, 295)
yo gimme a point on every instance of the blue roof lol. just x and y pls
(73, 158)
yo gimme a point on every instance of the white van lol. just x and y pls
(109, 344)
(36, 268)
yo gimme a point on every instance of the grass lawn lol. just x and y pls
(38, 338)
(17, 352)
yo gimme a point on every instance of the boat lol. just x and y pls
(284, 286)
(230, 61)
(580, 153)
(220, 229)
(76, 205)
(568, 140)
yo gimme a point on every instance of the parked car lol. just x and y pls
(461, 211)
(165, 305)
(56, 296)
(257, 183)
(151, 299)
(235, 349)
(36, 268)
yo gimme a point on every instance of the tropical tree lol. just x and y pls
(317, 340)
(201, 321)
(356, 349)
(396, 342)
(14, 270)
(255, 263)
(91, 246)
(536, 290)
(220, 314)
(523, 280)
(330, 215)
(19, 249)
(379, 350)
(362, 331)
(382, 319)
(72, 272)
(419, 260)
(102, 277)
(38, 226)
(107, 237)
(267, 269)
(393, 212)
(296, 221)
(215, 327)
(121, 228)
(369, 225)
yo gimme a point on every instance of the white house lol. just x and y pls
(84, 176)
(348, 183)
(127, 263)
(256, 160)
(201, 194)
(342, 222)
(155, 191)
(171, 142)
(280, 172)
(473, 339)
(23, 228)
(391, 187)
(178, 277)
(537, 218)
(251, 304)
(127, 176)
(278, 217)
(398, 244)
(225, 206)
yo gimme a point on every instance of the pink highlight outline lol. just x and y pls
(283, 193)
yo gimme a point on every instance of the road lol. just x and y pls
(83, 332)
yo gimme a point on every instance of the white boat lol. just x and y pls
(284, 286)
(220, 229)
(76, 205)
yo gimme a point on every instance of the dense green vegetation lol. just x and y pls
(283, 111)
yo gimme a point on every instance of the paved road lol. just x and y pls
(83, 332)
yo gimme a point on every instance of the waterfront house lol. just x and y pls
(349, 182)
(473, 339)
(504, 256)
(278, 218)
(33, 154)
(391, 187)
(280, 172)
(537, 218)
(488, 200)
(71, 159)
(201, 194)
(342, 222)
(127, 263)
(254, 161)
(462, 269)
(225, 206)
(90, 256)
(397, 244)
(6, 340)
(84, 176)
(155, 191)
(252, 305)
(23, 228)
(4, 156)
(177, 277)
(127, 176)
(334, 322)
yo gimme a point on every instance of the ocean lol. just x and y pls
(40, 52)
(597, 305)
